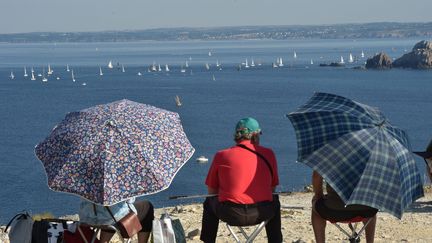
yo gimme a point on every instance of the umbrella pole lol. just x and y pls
(212, 195)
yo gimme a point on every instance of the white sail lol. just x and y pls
(186, 64)
(25, 72)
(214, 78)
(73, 76)
(342, 60)
(177, 100)
(207, 66)
(44, 79)
(280, 62)
(32, 76)
(123, 69)
(67, 68)
(100, 71)
(311, 62)
(295, 55)
(50, 71)
(11, 76)
(167, 68)
(351, 59)
(274, 65)
(139, 73)
(209, 53)
(252, 63)
(217, 63)
(110, 65)
(159, 68)
(362, 54)
(246, 63)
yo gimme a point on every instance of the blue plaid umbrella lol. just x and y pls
(358, 152)
(111, 152)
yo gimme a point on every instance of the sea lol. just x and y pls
(213, 100)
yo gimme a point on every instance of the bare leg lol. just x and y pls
(105, 237)
(318, 225)
(370, 230)
(143, 237)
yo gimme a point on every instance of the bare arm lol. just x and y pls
(317, 185)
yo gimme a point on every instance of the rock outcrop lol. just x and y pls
(419, 58)
(379, 61)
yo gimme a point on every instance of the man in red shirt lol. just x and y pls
(244, 177)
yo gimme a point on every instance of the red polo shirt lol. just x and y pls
(241, 176)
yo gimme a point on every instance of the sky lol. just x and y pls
(18, 16)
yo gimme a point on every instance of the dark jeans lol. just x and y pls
(241, 215)
(345, 214)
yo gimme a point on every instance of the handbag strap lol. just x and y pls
(112, 215)
(25, 215)
(259, 155)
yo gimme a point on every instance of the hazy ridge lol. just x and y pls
(339, 31)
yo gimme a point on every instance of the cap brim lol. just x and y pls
(424, 154)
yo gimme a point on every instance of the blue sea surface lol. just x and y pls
(213, 101)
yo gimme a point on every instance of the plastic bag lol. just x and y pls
(21, 226)
(167, 230)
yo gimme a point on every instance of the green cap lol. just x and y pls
(247, 125)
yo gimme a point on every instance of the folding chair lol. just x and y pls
(97, 229)
(250, 237)
(354, 235)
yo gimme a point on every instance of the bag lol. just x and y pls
(51, 230)
(129, 225)
(166, 230)
(70, 236)
(20, 228)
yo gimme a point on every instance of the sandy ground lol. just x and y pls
(415, 226)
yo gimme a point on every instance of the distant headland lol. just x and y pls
(338, 31)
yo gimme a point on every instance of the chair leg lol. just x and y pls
(249, 238)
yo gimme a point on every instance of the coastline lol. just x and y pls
(296, 227)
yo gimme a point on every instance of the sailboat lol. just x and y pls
(67, 68)
(280, 62)
(44, 79)
(153, 67)
(25, 72)
(341, 60)
(123, 69)
(177, 101)
(217, 63)
(214, 78)
(32, 76)
(362, 54)
(182, 70)
(110, 65)
(209, 53)
(207, 66)
(311, 62)
(186, 64)
(100, 71)
(73, 76)
(246, 63)
(274, 65)
(252, 63)
(11, 76)
(139, 73)
(167, 68)
(50, 71)
(351, 59)
(295, 55)
(159, 68)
